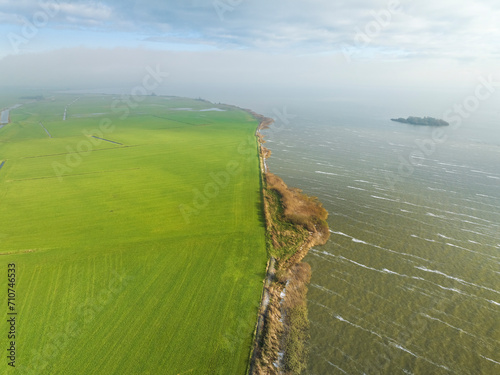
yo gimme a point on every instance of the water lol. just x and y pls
(409, 282)
(4, 117)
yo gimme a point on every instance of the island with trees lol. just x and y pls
(425, 121)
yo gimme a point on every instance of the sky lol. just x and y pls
(224, 47)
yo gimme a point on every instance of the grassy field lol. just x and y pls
(136, 233)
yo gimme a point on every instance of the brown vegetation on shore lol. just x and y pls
(295, 222)
(296, 334)
(301, 209)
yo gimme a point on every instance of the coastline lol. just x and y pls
(282, 327)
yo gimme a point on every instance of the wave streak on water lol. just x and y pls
(408, 282)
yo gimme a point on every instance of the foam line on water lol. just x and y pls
(454, 290)
(461, 281)
(384, 270)
(469, 216)
(413, 289)
(334, 365)
(380, 247)
(356, 188)
(489, 359)
(327, 173)
(345, 355)
(386, 199)
(421, 238)
(449, 325)
(472, 251)
(485, 196)
(445, 237)
(479, 234)
(322, 288)
(398, 346)
(338, 317)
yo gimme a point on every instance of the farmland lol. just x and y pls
(137, 235)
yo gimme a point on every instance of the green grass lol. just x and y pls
(112, 278)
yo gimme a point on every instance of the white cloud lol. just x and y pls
(447, 31)
(60, 13)
(455, 29)
(93, 10)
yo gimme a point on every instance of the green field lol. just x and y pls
(143, 253)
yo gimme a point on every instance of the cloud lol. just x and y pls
(93, 10)
(456, 29)
(452, 29)
(60, 13)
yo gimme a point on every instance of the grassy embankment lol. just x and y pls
(295, 222)
(143, 256)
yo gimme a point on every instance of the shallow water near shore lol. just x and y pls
(409, 282)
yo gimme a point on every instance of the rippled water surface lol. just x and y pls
(409, 282)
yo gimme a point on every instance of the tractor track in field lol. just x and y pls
(72, 175)
(68, 153)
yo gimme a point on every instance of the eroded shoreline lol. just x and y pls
(295, 222)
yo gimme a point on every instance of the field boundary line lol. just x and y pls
(79, 174)
(107, 140)
(44, 128)
(76, 152)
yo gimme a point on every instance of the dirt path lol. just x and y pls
(263, 309)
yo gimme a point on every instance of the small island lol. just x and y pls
(425, 121)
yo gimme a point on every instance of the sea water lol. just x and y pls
(409, 282)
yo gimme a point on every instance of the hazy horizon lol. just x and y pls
(239, 50)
